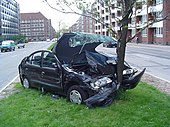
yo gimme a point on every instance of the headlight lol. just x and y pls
(128, 71)
(101, 82)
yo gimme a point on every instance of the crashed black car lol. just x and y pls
(74, 69)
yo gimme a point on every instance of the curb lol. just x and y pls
(9, 83)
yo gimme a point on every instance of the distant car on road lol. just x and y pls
(21, 45)
(48, 40)
(7, 45)
(110, 43)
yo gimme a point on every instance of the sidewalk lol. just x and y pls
(149, 45)
(9, 90)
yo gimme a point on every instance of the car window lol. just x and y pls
(49, 60)
(81, 39)
(35, 59)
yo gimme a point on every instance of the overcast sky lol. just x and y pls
(29, 6)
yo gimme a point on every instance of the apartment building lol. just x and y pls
(36, 27)
(157, 33)
(109, 17)
(83, 24)
(9, 18)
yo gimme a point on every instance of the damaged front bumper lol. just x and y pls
(106, 95)
(103, 98)
(131, 82)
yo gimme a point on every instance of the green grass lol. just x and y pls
(143, 106)
(49, 48)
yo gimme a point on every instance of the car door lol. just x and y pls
(33, 68)
(51, 74)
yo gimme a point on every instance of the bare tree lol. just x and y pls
(127, 8)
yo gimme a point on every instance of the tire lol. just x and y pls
(26, 83)
(76, 95)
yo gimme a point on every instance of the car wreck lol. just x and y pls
(76, 70)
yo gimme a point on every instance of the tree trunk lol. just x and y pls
(121, 50)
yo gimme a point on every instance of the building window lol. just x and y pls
(159, 1)
(113, 15)
(106, 9)
(144, 18)
(118, 13)
(159, 32)
(144, 33)
(118, 4)
(159, 14)
(107, 17)
(133, 32)
(113, 6)
(99, 27)
(102, 18)
(102, 11)
(113, 24)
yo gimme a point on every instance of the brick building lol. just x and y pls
(83, 24)
(36, 27)
(9, 18)
(158, 33)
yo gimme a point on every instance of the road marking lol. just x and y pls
(9, 83)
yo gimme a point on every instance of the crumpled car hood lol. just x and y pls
(73, 43)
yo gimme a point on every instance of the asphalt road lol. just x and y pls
(9, 61)
(155, 58)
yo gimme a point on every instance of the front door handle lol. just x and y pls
(42, 73)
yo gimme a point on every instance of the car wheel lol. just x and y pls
(26, 83)
(76, 95)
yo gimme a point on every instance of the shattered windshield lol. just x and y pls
(84, 38)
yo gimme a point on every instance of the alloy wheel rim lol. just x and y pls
(75, 97)
(26, 83)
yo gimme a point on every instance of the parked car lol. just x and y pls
(20, 44)
(7, 45)
(75, 70)
(48, 40)
(111, 43)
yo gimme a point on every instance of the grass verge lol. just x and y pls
(49, 48)
(143, 106)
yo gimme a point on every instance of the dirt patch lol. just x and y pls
(9, 90)
(156, 82)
